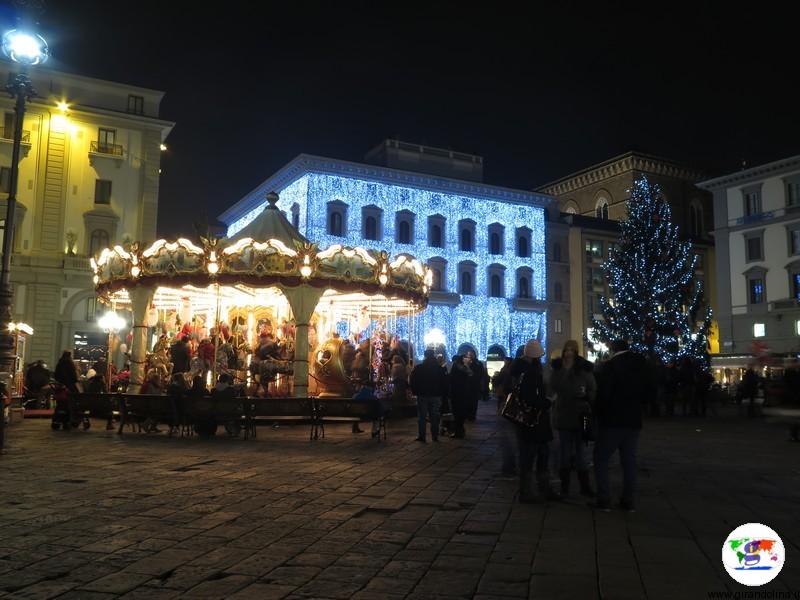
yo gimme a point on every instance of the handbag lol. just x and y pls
(517, 411)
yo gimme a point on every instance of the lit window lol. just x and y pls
(759, 330)
(756, 290)
(797, 327)
(558, 326)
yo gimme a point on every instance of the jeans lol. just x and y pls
(530, 450)
(569, 443)
(428, 406)
(609, 440)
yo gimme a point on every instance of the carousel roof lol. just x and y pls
(286, 259)
(271, 224)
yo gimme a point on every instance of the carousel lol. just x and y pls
(267, 306)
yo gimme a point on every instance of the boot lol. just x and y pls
(564, 474)
(586, 485)
(543, 482)
(525, 494)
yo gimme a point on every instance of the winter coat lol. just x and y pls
(565, 384)
(428, 379)
(532, 393)
(461, 386)
(180, 357)
(66, 373)
(623, 384)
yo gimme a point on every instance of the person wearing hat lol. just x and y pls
(533, 442)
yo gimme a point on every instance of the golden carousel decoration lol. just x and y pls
(257, 304)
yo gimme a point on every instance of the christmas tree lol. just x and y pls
(655, 302)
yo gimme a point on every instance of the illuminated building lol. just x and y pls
(485, 244)
(88, 178)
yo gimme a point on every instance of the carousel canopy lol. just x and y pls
(245, 263)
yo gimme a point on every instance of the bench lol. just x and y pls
(98, 406)
(260, 410)
(347, 410)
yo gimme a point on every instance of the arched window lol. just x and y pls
(438, 267)
(404, 233)
(436, 236)
(496, 238)
(371, 228)
(466, 282)
(557, 252)
(695, 219)
(494, 245)
(337, 218)
(336, 223)
(497, 286)
(295, 215)
(524, 288)
(437, 280)
(98, 241)
(466, 240)
(522, 246)
(558, 292)
(601, 209)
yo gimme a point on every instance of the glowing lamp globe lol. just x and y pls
(25, 48)
(111, 321)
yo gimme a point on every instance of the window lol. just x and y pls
(793, 192)
(557, 252)
(558, 292)
(91, 309)
(796, 285)
(102, 191)
(135, 104)
(2, 233)
(98, 241)
(371, 228)
(558, 326)
(497, 287)
(337, 218)
(601, 209)
(496, 235)
(106, 139)
(296, 215)
(436, 231)
(797, 327)
(753, 248)
(594, 250)
(594, 277)
(695, 219)
(524, 288)
(759, 330)
(439, 269)
(405, 227)
(8, 126)
(794, 242)
(523, 242)
(466, 235)
(756, 290)
(466, 278)
(466, 283)
(752, 201)
(5, 180)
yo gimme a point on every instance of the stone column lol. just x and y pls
(141, 297)
(303, 300)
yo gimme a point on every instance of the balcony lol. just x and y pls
(528, 304)
(104, 150)
(7, 137)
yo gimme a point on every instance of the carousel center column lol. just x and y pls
(303, 300)
(141, 297)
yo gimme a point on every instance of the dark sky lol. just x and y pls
(539, 93)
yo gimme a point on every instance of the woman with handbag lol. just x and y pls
(529, 409)
(574, 386)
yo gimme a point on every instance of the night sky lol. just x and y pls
(539, 93)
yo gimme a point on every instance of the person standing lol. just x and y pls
(501, 387)
(750, 389)
(533, 441)
(480, 384)
(573, 384)
(461, 388)
(66, 372)
(180, 355)
(429, 384)
(623, 383)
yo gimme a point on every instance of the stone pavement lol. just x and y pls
(90, 515)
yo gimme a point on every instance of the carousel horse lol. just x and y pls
(329, 370)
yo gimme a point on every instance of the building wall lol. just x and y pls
(478, 320)
(56, 195)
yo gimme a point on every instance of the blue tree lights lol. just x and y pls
(656, 302)
(477, 319)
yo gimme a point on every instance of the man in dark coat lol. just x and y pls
(480, 382)
(180, 356)
(429, 384)
(624, 382)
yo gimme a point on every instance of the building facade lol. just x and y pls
(592, 202)
(88, 178)
(757, 232)
(485, 244)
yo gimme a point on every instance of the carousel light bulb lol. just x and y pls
(135, 271)
(213, 268)
(305, 271)
(96, 279)
(383, 279)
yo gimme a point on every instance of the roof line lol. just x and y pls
(752, 172)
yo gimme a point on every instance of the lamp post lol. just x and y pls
(112, 324)
(28, 50)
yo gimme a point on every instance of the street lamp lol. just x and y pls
(26, 49)
(112, 324)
